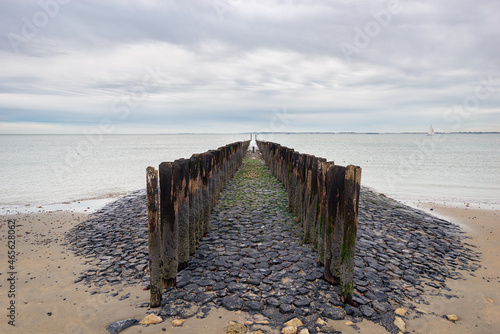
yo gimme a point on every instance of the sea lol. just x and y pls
(84, 172)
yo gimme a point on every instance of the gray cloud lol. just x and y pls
(336, 66)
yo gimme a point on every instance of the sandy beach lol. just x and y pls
(48, 301)
(478, 304)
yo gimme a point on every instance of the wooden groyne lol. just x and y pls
(325, 198)
(180, 196)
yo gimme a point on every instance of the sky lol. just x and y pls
(227, 66)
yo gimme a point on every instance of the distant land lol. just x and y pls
(247, 133)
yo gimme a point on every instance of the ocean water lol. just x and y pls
(47, 169)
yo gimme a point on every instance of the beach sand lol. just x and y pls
(478, 304)
(47, 300)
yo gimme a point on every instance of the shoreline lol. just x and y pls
(50, 284)
(87, 205)
(93, 204)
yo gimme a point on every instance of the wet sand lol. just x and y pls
(47, 300)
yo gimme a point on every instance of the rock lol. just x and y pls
(489, 300)
(118, 326)
(321, 322)
(360, 299)
(381, 307)
(302, 302)
(452, 317)
(304, 331)
(349, 323)
(273, 302)
(289, 330)
(254, 306)
(400, 324)
(151, 319)
(367, 311)
(233, 287)
(178, 322)
(232, 303)
(400, 311)
(188, 312)
(294, 322)
(204, 298)
(422, 311)
(286, 308)
(334, 313)
(236, 328)
(352, 311)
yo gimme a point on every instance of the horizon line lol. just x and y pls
(246, 133)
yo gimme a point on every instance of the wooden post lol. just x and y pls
(329, 221)
(205, 202)
(154, 235)
(319, 238)
(194, 201)
(338, 216)
(168, 226)
(350, 210)
(181, 191)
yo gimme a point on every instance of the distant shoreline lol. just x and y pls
(248, 133)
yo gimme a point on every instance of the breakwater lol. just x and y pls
(180, 196)
(325, 198)
(253, 259)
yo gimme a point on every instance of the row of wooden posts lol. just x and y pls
(179, 209)
(325, 198)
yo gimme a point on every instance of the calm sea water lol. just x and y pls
(45, 169)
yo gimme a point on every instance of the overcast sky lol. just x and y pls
(248, 65)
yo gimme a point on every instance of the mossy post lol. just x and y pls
(194, 201)
(168, 226)
(319, 221)
(331, 199)
(206, 158)
(154, 241)
(181, 205)
(337, 212)
(350, 210)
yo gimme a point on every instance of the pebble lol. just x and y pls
(289, 330)
(236, 328)
(294, 322)
(151, 319)
(400, 311)
(121, 325)
(178, 322)
(400, 324)
(253, 259)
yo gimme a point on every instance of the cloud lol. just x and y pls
(231, 64)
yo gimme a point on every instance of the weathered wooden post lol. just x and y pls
(194, 202)
(319, 220)
(334, 227)
(154, 242)
(181, 192)
(168, 226)
(206, 176)
(350, 210)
